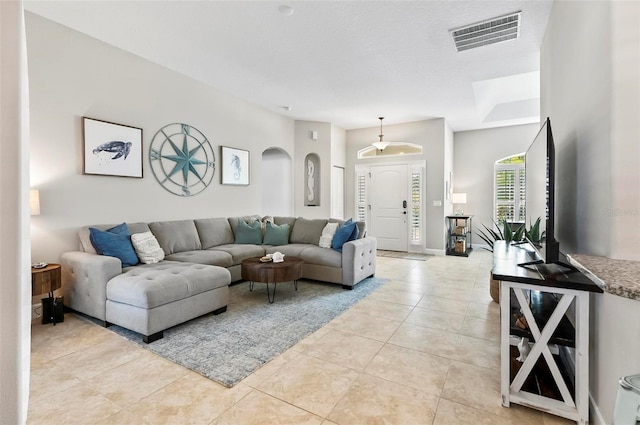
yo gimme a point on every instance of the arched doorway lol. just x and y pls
(277, 193)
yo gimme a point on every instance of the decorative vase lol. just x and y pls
(494, 289)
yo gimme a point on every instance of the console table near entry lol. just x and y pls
(543, 294)
(459, 232)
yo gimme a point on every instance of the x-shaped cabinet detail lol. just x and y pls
(574, 404)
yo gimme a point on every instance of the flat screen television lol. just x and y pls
(539, 171)
(540, 197)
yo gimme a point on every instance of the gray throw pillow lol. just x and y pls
(276, 235)
(248, 233)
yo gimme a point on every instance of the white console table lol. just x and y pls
(543, 295)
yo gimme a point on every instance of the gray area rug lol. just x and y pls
(229, 347)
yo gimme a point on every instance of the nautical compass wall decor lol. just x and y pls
(182, 159)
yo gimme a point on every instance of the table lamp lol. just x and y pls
(34, 201)
(459, 199)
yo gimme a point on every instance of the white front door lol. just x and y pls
(389, 202)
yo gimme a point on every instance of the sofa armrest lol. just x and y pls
(84, 281)
(358, 260)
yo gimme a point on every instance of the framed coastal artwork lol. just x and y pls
(235, 166)
(111, 149)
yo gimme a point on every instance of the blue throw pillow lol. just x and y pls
(249, 232)
(120, 229)
(114, 242)
(276, 235)
(347, 232)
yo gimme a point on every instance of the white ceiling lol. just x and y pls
(344, 62)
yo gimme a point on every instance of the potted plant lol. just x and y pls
(533, 233)
(505, 234)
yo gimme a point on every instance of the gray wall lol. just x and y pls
(590, 89)
(625, 130)
(72, 75)
(476, 152)
(576, 94)
(431, 135)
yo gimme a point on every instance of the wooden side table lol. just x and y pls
(44, 281)
(254, 270)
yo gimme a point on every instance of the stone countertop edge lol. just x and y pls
(617, 277)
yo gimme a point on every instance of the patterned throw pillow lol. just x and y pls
(327, 235)
(147, 248)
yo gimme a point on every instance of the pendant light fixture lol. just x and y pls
(380, 145)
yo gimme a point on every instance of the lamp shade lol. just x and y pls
(34, 201)
(459, 198)
(380, 145)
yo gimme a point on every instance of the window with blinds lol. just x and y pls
(415, 218)
(361, 196)
(510, 189)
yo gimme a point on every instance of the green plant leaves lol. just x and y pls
(502, 232)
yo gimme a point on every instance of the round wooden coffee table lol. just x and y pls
(254, 270)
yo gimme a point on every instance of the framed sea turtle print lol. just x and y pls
(235, 166)
(111, 149)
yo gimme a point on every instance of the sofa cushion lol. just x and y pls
(307, 231)
(147, 248)
(249, 233)
(291, 250)
(153, 285)
(176, 236)
(85, 238)
(214, 232)
(276, 235)
(240, 251)
(347, 232)
(114, 242)
(285, 220)
(321, 256)
(203, 256)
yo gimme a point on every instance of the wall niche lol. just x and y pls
(312, 180)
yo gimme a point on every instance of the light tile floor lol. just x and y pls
(422, 349)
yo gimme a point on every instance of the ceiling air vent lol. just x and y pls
(492, 31)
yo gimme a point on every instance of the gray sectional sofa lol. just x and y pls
(201, 260)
